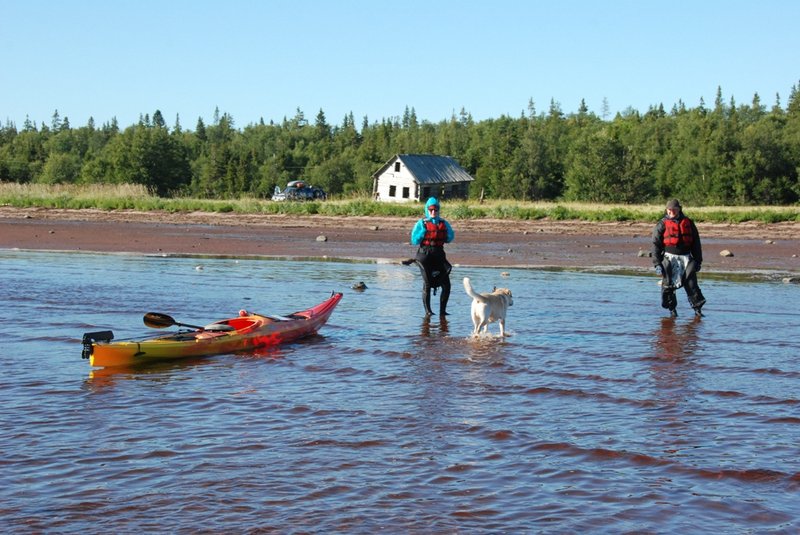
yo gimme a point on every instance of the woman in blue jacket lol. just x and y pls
(431, 233)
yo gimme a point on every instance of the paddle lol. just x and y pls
(157, 320)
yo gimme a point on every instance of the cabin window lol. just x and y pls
(426, 192)
(406, 192)
(392, 191)
(396, 167)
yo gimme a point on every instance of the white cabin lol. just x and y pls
(415, 177)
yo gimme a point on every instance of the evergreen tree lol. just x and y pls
(158, 120)
(55, 121)
(200, 130)
(731, 154)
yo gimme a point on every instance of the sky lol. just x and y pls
(266, 59)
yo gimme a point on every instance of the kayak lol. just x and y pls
(245, 332)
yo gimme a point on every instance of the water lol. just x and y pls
(596, 415)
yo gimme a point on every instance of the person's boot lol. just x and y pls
(443, 301)
(670, 302)
(697, 302)
(426, 301)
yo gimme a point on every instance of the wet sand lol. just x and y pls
(756, 247)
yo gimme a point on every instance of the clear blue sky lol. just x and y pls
(267, 58)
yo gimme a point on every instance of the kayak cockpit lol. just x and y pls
(234, 324)
(219, 327)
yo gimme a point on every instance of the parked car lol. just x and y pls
(298, 190)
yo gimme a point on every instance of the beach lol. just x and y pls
(756, 247)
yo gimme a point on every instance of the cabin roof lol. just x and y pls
(430, 168)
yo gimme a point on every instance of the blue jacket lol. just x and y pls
(418, 232)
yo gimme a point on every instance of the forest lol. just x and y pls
(724, 154)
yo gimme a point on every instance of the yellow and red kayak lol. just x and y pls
(244, 332)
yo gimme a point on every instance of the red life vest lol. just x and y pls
(678, 233)
(435, 234)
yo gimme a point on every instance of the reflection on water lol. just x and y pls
(439, 326)
(597, 413)
(672, 361)
(676, 342)
(672, 367)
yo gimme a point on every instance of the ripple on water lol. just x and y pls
(596, 414)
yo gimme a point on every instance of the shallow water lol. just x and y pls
(597, 414)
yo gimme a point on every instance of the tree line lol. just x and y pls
(725, 154)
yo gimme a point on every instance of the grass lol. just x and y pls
(135, 197)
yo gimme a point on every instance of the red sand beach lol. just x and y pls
(566, 244)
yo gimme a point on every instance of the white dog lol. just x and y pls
(488, 308)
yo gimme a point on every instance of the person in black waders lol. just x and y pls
(431, 233)
(677, 257)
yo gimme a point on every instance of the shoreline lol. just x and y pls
(757, 247)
